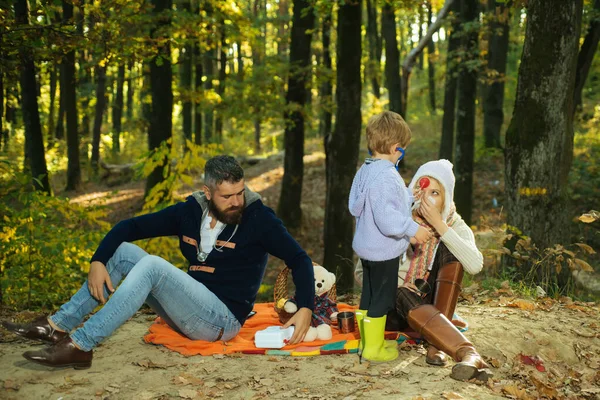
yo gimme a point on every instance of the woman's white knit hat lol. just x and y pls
(442, 171)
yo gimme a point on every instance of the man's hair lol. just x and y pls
(385, 130)
(221, 169)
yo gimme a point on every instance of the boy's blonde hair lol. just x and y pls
(385, 130)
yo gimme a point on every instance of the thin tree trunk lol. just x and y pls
(282, 39)
(327, 86)
(53, 81)
(343, 147)
(430, 60)
(185, 83)
(59, 133)
(222, 78)
(493, 102)
(539, 139)
(303, 20)
(465, 121)
(240, 60)
(100, 73)
(373, 67)
(420, 21)
(450, 86)
(198, 84)
(392, 58)
(68, 86)
(29, 106)
(130, 89)
(586, 55)
(117, 111)
(161, 76)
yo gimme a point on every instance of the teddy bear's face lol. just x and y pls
(324, 280)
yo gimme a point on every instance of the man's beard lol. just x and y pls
(231, 216)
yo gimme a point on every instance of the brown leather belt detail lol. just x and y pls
(221, 243)
(189, 240)
(203, 268)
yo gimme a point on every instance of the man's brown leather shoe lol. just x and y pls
(62, 354)
(38, 329)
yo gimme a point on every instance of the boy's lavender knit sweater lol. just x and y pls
(380, 202)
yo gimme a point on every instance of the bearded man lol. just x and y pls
(226, 234)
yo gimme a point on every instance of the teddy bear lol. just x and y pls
(325, 309)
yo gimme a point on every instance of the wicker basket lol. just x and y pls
(280, 291)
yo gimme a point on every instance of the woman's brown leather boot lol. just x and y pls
(442, 334)
(447, 289)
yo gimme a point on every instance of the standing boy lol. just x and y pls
(380, 202)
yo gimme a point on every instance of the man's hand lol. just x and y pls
(301, 322)
(97, 278)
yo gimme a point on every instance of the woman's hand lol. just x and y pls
(433, 216)
(97, 278)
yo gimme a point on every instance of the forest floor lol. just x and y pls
(538, 348)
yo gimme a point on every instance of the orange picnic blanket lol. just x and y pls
(162, 334)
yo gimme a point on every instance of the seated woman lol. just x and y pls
(429, 278)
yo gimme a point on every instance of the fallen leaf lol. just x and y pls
(586, 248)
(583, 265)
(188, 393)
(536, 361)
(495, 362)
(149, 364)
(522, 304)
(9, 384)
(451, 395)
(219, 356)
(543, 388)
(514, 391)
(590, 217)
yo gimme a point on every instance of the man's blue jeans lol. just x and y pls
(184, 303)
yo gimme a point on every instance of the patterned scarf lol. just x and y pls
(424, 254)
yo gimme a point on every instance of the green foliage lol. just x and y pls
(45, 243)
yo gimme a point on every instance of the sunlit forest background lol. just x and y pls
(111, 108)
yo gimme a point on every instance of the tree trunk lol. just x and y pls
(130, 90)
(198, 84)
(326, 87)
(117, 111)
(539, 139)
(420, 21)
(29, 105)
(100, 73)
(53, 80)
(68, 86)
(303, 21)
(185, 80)
(209, 62)
(430, 60)
(161, 76)
(221, 87)
(59, 133)
(392, 58)
(450, 86)
(586, 55)
(282, 39)
(493, 102)
(343, 148)
(465, 121)
(373, 67)
(240, 58)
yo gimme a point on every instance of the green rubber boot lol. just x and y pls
(375, 349)
(360, 315)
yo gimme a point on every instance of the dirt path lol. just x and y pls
(564, 335)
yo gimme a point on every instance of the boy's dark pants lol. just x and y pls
(380, 283)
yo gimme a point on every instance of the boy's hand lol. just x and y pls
(422, 235)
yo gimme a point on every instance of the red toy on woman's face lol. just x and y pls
(424, 182)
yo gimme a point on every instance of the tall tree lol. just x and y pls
(493, 102)
(130, 88)
(100, 75)
(59, 131)
(465, 116)
(117, 110)
(161, 76)
(392, 58)
(68, 90)
(258, 58)
(198, 72)
(539, 139)
(343, 147)
(53, 80)
(450, 85)
(375, 47)
(431, 60)
(29, 105)
(209, 62)
(325, 95)
(303, 21)
(586, 54)
(282, 35)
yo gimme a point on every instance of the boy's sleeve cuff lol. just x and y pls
(413, 227)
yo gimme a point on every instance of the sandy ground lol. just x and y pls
(564, 335)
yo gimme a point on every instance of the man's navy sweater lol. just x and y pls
(235, 273)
